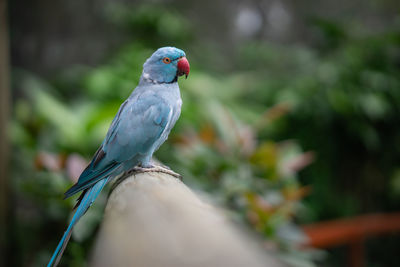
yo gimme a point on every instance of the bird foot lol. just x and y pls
(155, 168)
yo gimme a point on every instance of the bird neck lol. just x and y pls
(145, 79)
(161, 89)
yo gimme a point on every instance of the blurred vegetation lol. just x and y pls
(243, 136)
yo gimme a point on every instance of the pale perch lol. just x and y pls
(153, 220)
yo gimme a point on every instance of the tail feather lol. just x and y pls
(89, 178)
(86, 201)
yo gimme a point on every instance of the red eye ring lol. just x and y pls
(166, 60)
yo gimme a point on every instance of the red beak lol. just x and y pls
(183, 67)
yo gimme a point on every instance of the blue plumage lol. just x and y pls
(141, 125)
(85, 202)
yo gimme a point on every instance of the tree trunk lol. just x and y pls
(4, 111)
(153, 220)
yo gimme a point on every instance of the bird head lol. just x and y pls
(165, 66)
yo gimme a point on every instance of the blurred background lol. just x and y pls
(291, 117)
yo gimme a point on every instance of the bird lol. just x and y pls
(141, 125)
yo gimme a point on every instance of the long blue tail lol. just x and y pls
(83, 206)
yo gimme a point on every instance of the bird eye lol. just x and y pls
(166, 60)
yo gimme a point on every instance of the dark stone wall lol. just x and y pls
(47, 35)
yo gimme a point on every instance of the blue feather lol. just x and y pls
(85, 203)
(89, 178)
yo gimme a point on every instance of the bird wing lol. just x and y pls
(135, 129)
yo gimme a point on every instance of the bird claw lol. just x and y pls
(155, 168)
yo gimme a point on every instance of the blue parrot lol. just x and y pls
(141, 126)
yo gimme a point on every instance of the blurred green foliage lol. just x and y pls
(241, 136)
